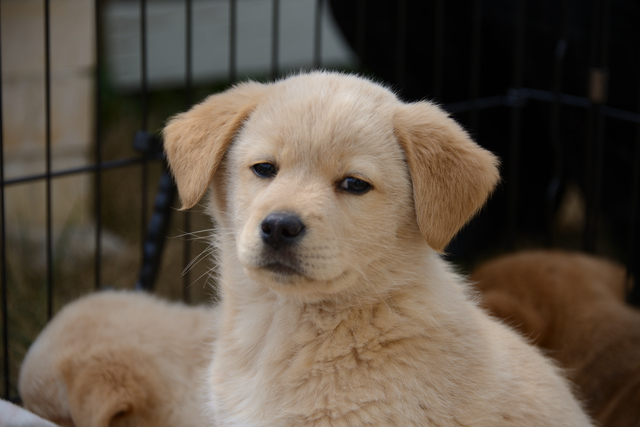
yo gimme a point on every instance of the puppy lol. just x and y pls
(332, 201)
(572, 305)
(120, 359)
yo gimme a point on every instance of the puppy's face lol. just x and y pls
(324, 180)
(317, 187)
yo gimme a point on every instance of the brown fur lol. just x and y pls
(212, 125)
(367, 325)
(449, 163)
(572, 305)
(117, 359)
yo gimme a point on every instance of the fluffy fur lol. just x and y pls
(360, 321)
(572, 305)
(120, 359)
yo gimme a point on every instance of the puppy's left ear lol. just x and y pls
(196, 141)
(451, 175)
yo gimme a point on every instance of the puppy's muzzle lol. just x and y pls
(281, 229)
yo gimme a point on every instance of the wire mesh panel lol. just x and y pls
(551, 87)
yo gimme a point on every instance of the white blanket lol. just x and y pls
(14, 416)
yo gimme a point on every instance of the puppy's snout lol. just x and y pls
(280, 229)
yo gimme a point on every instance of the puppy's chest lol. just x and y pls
(344, 341)
(333, 366)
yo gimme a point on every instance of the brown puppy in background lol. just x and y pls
(573, 306)
(116, 359)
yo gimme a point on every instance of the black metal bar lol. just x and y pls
(317, 39)
(524, 94)
(144, 96)
(3, 247)
(633, 261)
(156, 232)
(275, 38)
(476, 48)
(633, 247)
(438, 51)
(361, 28)
(47, 121)
(156, 229)
(595, 147)
(589, 231)
(166, 177)
(551, 97)
(144, 101)
(188, 83)
(401, 20)
(619, 114)
(112, 164)
(516, 121)
(554, 188)
(597, 181)
(98, 150)
(604, 59)
(232, 40)
(478, 104)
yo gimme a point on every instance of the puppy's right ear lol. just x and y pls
(451, 175)
(195, 141)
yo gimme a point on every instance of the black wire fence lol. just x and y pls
(551, 86)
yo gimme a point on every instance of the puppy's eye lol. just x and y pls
(264, 170)
(355, 185)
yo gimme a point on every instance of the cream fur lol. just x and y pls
(373, 328)
(116, 359)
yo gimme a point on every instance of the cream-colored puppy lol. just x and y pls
(333, 201)
(116, 359)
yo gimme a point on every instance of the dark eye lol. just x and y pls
(264, 170)
(355, 185)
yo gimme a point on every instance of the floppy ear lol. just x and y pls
(195, 141)
(451, 175)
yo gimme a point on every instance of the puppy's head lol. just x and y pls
(327, 178)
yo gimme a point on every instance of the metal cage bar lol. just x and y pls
(186, 259)
(476, 54)
(361, 28)
(317, 35)
(144, 120)
(401, 20)
(516, 124)
(3, 244)
(233, 42)
(554, 189)
(97, 172)
(47, 124)
(595, 138)
(633, 245)
(275, 38)
(438, 51)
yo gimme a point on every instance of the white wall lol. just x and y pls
(166, 39)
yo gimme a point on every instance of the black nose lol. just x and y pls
(280, 229)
